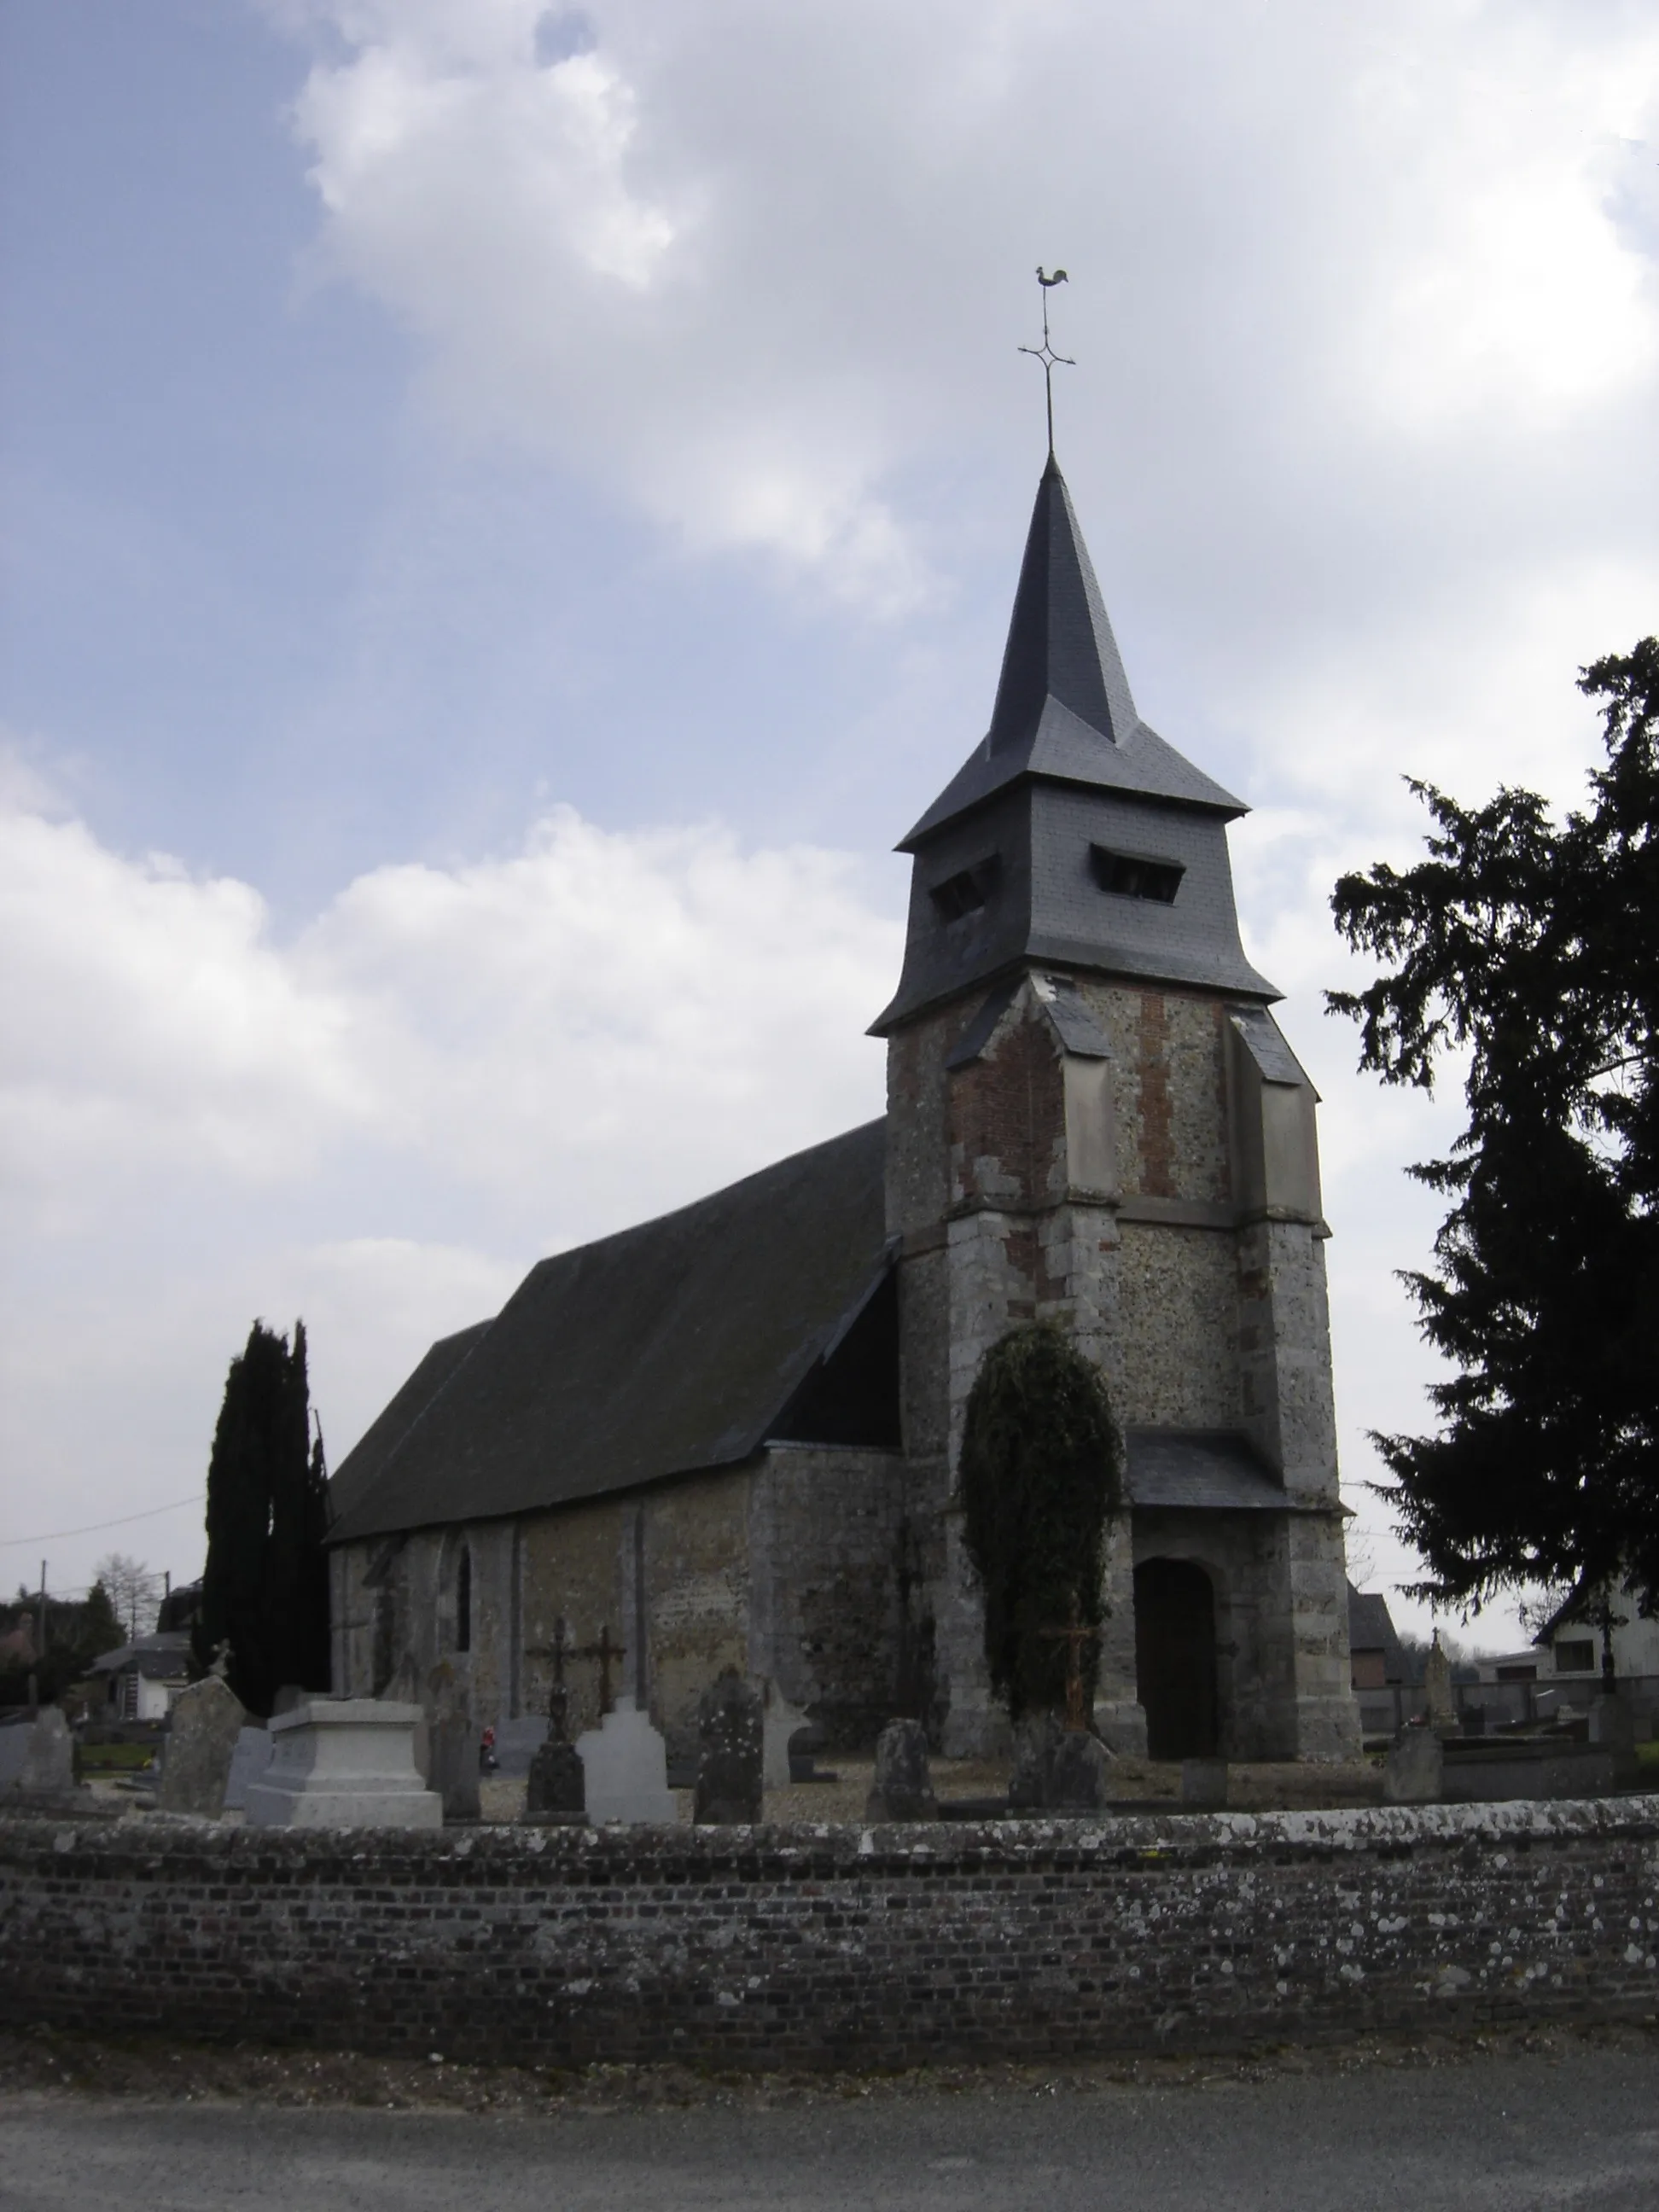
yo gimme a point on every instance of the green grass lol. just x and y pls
(115, 1757)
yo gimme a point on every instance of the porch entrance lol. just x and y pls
(1175, 1658)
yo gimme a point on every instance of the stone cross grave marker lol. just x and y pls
(556, 1789)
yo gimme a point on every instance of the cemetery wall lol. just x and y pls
(810, 1947)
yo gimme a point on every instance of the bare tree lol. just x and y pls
(134, 1590)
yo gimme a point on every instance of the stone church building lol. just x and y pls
(728, 1436)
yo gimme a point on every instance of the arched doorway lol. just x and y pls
(1175, 1658)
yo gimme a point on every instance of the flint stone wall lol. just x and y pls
(807, 1947)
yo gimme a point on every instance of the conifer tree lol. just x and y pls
(264, 1590)
(1524, 952)
(1040, 1468)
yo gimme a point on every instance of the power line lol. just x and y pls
(95, 1527)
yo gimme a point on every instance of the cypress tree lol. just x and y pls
(1040, 1469)
(264, 1590)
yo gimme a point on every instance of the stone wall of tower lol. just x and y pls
(1112, 1195)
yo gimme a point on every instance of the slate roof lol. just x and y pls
(674, 1346)
(360, 1467)
(162, 1657)
(1211, 1469)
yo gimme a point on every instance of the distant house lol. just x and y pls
(146, 1675)
(1373, 1646)
(1570, 1641)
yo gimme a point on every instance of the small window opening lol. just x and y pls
(464, 1600)
(966, 892)
(1576, 1658)
(1130, 875)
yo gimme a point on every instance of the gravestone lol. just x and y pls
(15, 1737)
(1612, 1729)
(1437, 1687)
(1204, 1784)
(344, 1763)
(1077, 1765)
(1034, 1735)
(556, 1788)
(248, 1762)
(48, 1768)
(203, 1727)
(1416, 1768)
(782, 1721)
(903, 1785)
(1057, 1769)
(625, 1768)
(37, 1756)
(732, 1751)
(452, 1769)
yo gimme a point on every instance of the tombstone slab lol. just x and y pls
(203, 1727)
(556, 1789)
(625, 1768)
(48, 1768)
(1204, 1784)
(782, 1721)
(732, 1751)
(903, 1785)
(248, 1762)
(1079, 1763)
(453, 1751)
(344, 1763)
(1416, 1769)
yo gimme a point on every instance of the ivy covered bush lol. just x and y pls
(1041, 1473)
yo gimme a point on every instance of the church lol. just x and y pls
(729, 1437)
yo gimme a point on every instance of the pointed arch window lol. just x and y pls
(463, 1599)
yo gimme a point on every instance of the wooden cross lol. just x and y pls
(1075, 1637)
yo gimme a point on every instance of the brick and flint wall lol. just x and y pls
(838, 1946)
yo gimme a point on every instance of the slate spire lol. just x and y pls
(1060, 643)
(1063, 707)
(1072, 835)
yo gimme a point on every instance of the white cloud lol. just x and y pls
(379, 1123)
(752, 263)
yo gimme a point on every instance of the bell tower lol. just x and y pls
(1093, 1118)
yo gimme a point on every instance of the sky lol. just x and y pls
(509, 511)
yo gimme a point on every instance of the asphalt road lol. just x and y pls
(1579, 2131)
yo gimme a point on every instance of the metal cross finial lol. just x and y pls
(1046, 354)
